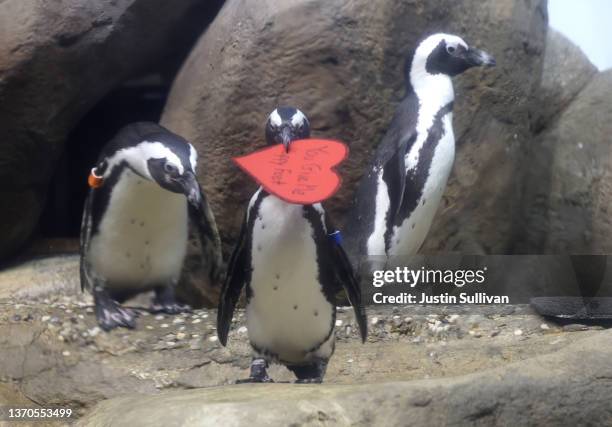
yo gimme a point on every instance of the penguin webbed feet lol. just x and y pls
(111, 315)
(259, 373)
(309, 374)
(165, 302)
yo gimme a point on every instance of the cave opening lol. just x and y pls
(140, 98)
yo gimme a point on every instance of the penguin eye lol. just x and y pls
(450, 49)
(170, 169)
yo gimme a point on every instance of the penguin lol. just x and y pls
(398, 196)
(135, 222)
(292, 264)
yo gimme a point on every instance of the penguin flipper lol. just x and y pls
(394, 175)
(346, 276)
(204, 220)
(391, 154)
(232, 287)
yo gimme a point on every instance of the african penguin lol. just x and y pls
(292, 270)
(398, 196)
(135, 222)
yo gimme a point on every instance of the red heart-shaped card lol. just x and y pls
(304, 175)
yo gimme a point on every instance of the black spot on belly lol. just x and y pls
(277, 276)
(132, 221)
(275, 288)
(412, 226)
(147, 243)
(316, 313)
(142, 223)
(258, 248)
(263, 226)
(295, 307)
(423, 204)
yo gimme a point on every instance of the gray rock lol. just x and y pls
(49, 345)
(10, 395)
(566, 71)
(41, 277)
(57, 59)
(567, 188)
(341, 62)
(569, 387)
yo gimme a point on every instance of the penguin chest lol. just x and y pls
(408, 237)
(142, 237)
(287, 314)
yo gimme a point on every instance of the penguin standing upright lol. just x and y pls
(292, 269)
(400, 193)
(135, 223)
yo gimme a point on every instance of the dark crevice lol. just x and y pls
(140, 98)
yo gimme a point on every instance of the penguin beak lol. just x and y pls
(191, 188)
(286, 138)
(477, 58)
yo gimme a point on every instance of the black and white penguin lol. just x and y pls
(398, 196)
(135, 223)
(293, 267)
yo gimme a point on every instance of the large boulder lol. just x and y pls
(57, 59)
(341, 62)
(570, 387)
(41, 277)
(566, 71)
(568, 192)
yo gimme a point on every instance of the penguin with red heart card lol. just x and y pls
(288, 255)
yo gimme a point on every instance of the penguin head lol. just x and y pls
(155, 154)
(286, 124)
(446, 54)
(174, 173)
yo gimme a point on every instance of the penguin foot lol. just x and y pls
(258, 372)
(174, 308)
(165, 302)
(309, 374)
(111, 315)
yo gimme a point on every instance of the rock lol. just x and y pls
(43, 277)
(9, 395)
(573, 327)
(569, 191)
(57, 59)
(566, 71)
(49, 345)
(342, 64)
(499, 396)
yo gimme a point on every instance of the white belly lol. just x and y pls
(409, 236)
(142, 238)
(288, 314)
(376, 241)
